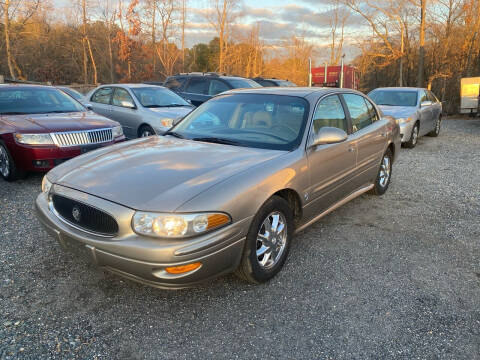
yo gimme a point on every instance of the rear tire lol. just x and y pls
(413, 137)
(268, 242)
(384, 174)
(145, 131)
(8, 169)
(435, 132)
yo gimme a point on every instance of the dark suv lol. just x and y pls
(273, 82)
(199, 87)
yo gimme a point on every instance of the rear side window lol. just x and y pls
(174, 83)
(102, 96)
(217, 87)
(197, 86)
(359, 112)
(266, 83)
(330, 113)
(371, 110)
(432, 97)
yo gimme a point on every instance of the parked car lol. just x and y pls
(225, 189)
(273, 82)
(200, 87)
(418, 111)
(142, 110)
(41, 127)
(73, 93)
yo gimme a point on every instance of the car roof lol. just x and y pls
(393, 88)
(136, 85)
(291, 91)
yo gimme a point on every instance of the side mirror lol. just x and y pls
(426, 103)
(329, 135)
(128, 104)
(89, 106)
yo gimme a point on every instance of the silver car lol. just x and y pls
(417, 110)
(141, 109)
(224, 190)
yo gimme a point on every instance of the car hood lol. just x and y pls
(398, 111)
(46, 123)
(156, 173)
(172, 112)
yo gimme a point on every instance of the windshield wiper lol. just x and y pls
(57, 112)
(217, 140)
(173, 133)
(13, 113)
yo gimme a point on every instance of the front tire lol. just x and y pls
(413, 137)
(8, 169)
(384, 174)
(435, 132)
(268, 242)
(145, 131)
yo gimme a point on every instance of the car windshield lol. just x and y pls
(73, 93)
(17, 101)
(152, 97)
(243, 83)
(251, 120)
(394, 97)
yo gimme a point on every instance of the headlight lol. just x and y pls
(404, 120)
(167, 122)
(117, 131)
(34, 139)
(46, 185)
(177, 225)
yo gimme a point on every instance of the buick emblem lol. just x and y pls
(77, 215)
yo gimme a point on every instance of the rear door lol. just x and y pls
(436, 107)
(100, 101)
(127, 116)
(369, 133)
(196, 90)
(331, 166)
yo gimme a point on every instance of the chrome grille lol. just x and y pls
(74, 138)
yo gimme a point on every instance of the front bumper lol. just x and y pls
(406, 131)
(44, 158)
(141, 258)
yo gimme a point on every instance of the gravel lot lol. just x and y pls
(396, 276)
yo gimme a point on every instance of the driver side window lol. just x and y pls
(330, 113)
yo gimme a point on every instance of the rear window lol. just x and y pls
(394, 97)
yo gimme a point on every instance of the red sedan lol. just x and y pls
(41, 127)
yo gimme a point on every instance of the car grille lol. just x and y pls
(85, 216)
(74, 138)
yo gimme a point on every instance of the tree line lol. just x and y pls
(402, 42)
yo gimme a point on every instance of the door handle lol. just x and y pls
(384, 134)
(351, 149)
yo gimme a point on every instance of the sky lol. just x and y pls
(277, 19)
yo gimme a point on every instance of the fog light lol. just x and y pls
(183, 268)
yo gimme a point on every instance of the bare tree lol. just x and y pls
(421, 49)
(109, 14)
(337, 24)
(87, 46)
(221, 17)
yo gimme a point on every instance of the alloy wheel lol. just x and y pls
(415, 135)
(271, 240)
(4, 162)
(146, 133)
(385, 170)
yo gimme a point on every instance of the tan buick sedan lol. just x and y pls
(225, 189)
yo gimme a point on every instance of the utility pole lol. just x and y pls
(421, 51)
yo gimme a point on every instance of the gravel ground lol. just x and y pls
(396, 276)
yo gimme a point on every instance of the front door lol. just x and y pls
(369, 135)
(125, 112)
(331, 166)
(197, 90)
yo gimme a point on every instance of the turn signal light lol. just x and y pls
(183, 268)
(216, 220)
